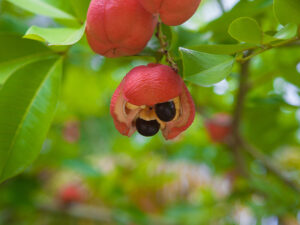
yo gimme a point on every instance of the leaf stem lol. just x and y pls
(266, 48)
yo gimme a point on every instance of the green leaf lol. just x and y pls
(205, 69)
(287, 32)
(50, 8)
(80, 7)
(246, 29)
(55, 36)
(17, 52)
(219, 27)
(287, 11)
(28, 101)
(223, 49)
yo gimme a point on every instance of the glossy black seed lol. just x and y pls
(147, 128)
(165, 111)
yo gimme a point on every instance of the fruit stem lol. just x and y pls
(164, 46)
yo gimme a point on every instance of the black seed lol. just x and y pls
(165, 111)
(147, 128)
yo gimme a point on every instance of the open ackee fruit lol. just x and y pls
(152, 98)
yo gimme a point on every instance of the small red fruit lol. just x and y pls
(152, 98)
(71, 131)
(117, 28)
(71, 194)
(172, 12)
(219, 127)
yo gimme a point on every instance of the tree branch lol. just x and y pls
(239, 142)
(255, 153)
(237, 115)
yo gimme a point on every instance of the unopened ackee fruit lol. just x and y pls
(152, 98)
(72, 193)
(219, 127)
(117, 28)
(172, 12)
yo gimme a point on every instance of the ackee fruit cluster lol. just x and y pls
(118, 28)
(153, 97)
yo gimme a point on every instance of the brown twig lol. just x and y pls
(164, 47)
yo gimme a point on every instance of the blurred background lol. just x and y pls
(87, 173)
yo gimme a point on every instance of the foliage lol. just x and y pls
(55, 125)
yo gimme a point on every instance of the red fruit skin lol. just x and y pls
(219, 127)
(150, 85)
(188, 112)
(118, 28)
(172, 12)
(71, 194)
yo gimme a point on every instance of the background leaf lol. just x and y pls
(28, 101)
(247, 30)
(287, 11)
(56, 36)
(50, 8)
(287, 32)
(205, 69)
(80, 8)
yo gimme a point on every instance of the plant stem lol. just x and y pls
(266, 48)
(164, 46)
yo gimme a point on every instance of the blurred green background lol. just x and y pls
(87, 173)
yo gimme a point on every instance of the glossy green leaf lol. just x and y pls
(56, 36)
(287, 11)
(246, 29)
(28, 101)
(50, 8)
(205, 69)
(223, 49)
(287, 32)
(17, 52)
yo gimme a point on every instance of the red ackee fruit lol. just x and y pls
(219, 127)
(172, 12)
(71, 194)
(117, 28)
(152, 98)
